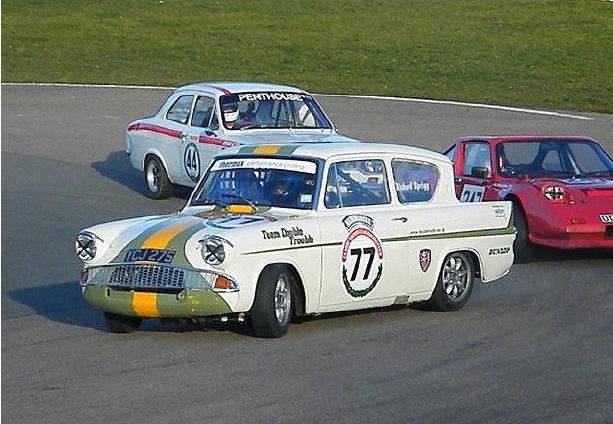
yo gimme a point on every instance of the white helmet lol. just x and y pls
(230, 112)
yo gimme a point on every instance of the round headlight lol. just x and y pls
(554, 193)
(213, 250)
(85, 247)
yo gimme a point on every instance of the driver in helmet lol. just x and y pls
(280, 192)
(230, 112)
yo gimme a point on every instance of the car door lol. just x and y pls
(361, 258)
(176, 121)
(197, 152)
(473, 167)
(415, 182)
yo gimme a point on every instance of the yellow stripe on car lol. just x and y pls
(267, 150)
(145, 304)
(160, 239)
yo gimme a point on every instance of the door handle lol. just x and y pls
(183, 137)
(210, 133)
(400, 218)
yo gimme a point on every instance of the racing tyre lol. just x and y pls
(121, 323)
(272, 308)
(156, 179)
(455, 283)
(522, 248)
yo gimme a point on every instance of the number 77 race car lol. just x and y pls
(199, 120)
(277, 231)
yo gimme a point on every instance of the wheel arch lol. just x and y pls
(151, 153)
(476, 260)
(516, 200)
(298, 293)
(472, 254)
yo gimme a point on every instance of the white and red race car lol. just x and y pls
(199, 120)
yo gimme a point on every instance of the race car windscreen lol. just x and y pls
(246, 111)
(259, 182)
(553, 159)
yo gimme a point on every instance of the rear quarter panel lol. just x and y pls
(485, 229)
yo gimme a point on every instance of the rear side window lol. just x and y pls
(356, 183)
(179, 111)
(414, 181)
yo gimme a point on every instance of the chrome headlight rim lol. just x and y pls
(85, 246)
(213, 250)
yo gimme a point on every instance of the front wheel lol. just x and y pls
(455, 283)
(156, 179)
(272, 308)
(121, 323)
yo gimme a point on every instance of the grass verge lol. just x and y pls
(549, 54)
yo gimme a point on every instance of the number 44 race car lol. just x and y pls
(276, 231)
(198, 120)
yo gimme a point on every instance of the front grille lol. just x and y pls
(150, 277)
(608, 232)
(147, 276)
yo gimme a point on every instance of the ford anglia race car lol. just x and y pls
(198, 120)
(276, 231)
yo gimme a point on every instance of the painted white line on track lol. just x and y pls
(355, 96)
(59, 84)
(454, 103)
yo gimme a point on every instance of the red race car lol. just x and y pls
(561, 187)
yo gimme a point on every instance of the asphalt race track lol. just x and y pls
(536, 346)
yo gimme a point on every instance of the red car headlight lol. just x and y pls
(554, 193)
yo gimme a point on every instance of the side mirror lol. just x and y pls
(479, 172)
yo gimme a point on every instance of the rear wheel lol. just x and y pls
(455, 283)
(522, 247)
(272, 308)
(156, 179)
(121, 323)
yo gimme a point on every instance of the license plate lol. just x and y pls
(607, 218)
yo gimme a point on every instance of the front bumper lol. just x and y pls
(185, 304)
(581, 236)
(152, 290)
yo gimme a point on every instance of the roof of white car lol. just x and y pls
(229, 87)
(327, 150)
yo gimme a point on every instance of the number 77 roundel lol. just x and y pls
(362, 256)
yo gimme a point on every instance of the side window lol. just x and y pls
(356, 183)
(414, 181)
(179, 111)
(476, 154)
(203, 109)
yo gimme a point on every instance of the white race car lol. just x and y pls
(276, 231)
(198, 120)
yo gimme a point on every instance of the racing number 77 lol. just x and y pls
(358, 252)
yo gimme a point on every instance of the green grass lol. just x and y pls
(550, 54)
